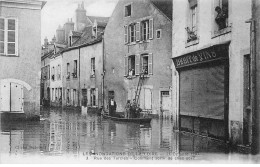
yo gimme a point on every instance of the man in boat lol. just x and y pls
(127, 109)
(112, 107)
(133, 109)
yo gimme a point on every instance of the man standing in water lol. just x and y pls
(112, 107)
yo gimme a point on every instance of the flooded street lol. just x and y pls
(70, 136)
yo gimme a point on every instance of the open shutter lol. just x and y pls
(138, 37)
(137, 64)
(88, 100)
(126, 34)
(126, 66)
(96, 97)
(151, 29)
(2, 36)
(150, 64)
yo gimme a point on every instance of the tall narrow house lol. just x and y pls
(138, 41)
(20, 57)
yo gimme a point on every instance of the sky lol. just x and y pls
(57, 12)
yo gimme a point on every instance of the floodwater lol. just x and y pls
(73, 137)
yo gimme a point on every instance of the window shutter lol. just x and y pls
(126, 34)
(134, 32)
(126, 65)
(138, 34)
(88, 97)
(151, 29)
(150, 64)
(96, 97)
(137, 64)
(2, 35)
(141, 64)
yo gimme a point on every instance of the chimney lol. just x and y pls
(60, 34)
(81, 17)
(46, 42)
(69, 26)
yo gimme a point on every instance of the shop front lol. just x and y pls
(203, 91)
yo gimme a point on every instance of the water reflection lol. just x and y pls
(72, 134)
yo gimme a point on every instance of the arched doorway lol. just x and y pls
(12, 95)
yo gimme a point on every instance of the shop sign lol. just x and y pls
(205, 55)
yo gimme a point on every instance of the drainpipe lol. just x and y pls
(79, 81)
(255, 81)
(103, 70)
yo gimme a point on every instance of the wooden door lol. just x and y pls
(5, 97)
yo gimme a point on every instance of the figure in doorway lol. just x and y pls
(112, 107)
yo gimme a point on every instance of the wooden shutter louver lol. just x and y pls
(88, 97)
(150, 64)
(137, 64)
(126, 34)
(151, 29)
(126, 65)
(2, 35)
(138, 34)
(96, 96)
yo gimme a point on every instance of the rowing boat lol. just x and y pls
(135, 120)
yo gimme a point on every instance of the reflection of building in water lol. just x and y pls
(165, 133)
(145, 136)
(55, 144)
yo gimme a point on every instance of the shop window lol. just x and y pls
(68, 73)
(75, 69)
(128, 10)
(93, 68)
(132, 33)
(191, 28)
(8, 37)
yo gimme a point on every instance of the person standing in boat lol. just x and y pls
(127, 109)
(112, 107)
(133, 109)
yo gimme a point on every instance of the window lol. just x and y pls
(132, 33)
(53, 73)
(93, 97)
(158, 34)
(131, 65)
(192, 21)
(128, 10)
(147, 29)
(93, 67)
(59, 72)
(70, 40)
(8, 37)
(68, 73)
(68, 96)
(147, 64)
(75, 69)
(53, 94)
(221, 14)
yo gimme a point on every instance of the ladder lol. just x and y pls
(139, 87)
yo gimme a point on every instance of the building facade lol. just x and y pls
(138, 41)
(56, 80)
(20, 57)
(211, 74)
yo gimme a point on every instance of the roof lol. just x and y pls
(99, 19)
(48, 54)
(165, 6)
(85, 39)
(76, 34)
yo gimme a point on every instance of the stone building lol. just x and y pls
(138, 40)
(211, 74)
(20, 57)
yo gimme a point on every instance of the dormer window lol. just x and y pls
(128, 10)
